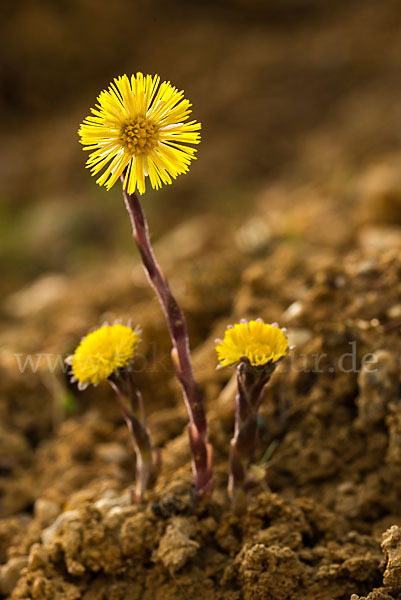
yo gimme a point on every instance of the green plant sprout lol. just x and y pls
(107, 354)
(139, 129)
(255, 348)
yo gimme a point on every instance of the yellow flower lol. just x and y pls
(259, 342)
(102, 352)
(138, 127)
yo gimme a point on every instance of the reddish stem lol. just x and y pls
(197, 428)
(251, 385)
(147, 461)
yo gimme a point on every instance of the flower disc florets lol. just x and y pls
(102, 352)
(139, 136)
(138, 128)
(258, 342)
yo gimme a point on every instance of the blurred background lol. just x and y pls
(290, 90)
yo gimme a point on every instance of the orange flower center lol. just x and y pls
(139, 136)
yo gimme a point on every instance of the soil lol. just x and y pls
(327, 525)
(315, 245)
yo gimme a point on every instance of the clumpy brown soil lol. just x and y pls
(327, 525)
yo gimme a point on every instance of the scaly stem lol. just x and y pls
(197, 428)
(251, 384)
(147, 460)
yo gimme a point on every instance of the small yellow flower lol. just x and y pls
(102, 352)
(259, 342)
(138, 127)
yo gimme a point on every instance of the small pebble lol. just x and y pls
(294, 310)
(394, 312)
(380, 238)
(298, 337)
(10, 573)
(46, 510)
(112, 453)
(253, 235)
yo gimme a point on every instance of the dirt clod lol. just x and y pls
(391, 545)
(176, 546)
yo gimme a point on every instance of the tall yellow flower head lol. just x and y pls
(259, 342)
(102, 352)
(138, 127)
